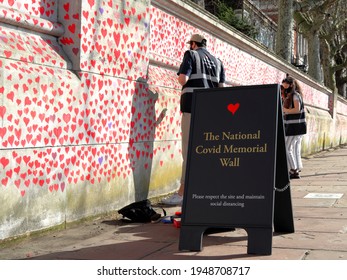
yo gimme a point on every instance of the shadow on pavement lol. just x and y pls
(131, 241)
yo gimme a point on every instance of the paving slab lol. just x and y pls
(320, 225)
(225, 252)
(326, 255)
(313, 240)
(319, 212)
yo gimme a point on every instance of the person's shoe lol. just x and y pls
(174, 199)
(294, 174)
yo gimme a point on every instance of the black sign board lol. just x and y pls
(236, 161)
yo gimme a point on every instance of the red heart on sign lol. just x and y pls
(233, 107)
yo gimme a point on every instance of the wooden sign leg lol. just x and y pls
(191, 238)
(259, 241)
(283, 211)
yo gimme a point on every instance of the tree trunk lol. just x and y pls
(314, 63)
(329, 77)
(341, 83)
(284, 36)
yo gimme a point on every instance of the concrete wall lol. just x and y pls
(89, 117)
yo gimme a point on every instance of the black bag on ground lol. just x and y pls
(140, 212)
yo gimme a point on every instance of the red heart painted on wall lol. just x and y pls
(66, 7)
(233, 107)
(4, 161)
(91, 3)
(2, 111)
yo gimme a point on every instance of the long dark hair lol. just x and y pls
(289, 92)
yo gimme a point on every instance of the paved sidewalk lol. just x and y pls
(320, 228)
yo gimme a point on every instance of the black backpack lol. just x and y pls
(140, 212)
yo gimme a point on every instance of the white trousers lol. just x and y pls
(293, 147)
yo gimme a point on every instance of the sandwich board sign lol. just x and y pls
(237, 174)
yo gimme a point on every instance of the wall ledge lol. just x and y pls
(19, 19)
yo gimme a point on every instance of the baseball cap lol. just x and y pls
(196, 38)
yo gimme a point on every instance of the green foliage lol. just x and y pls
(225, 13)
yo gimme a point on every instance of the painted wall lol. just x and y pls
(89, 115)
